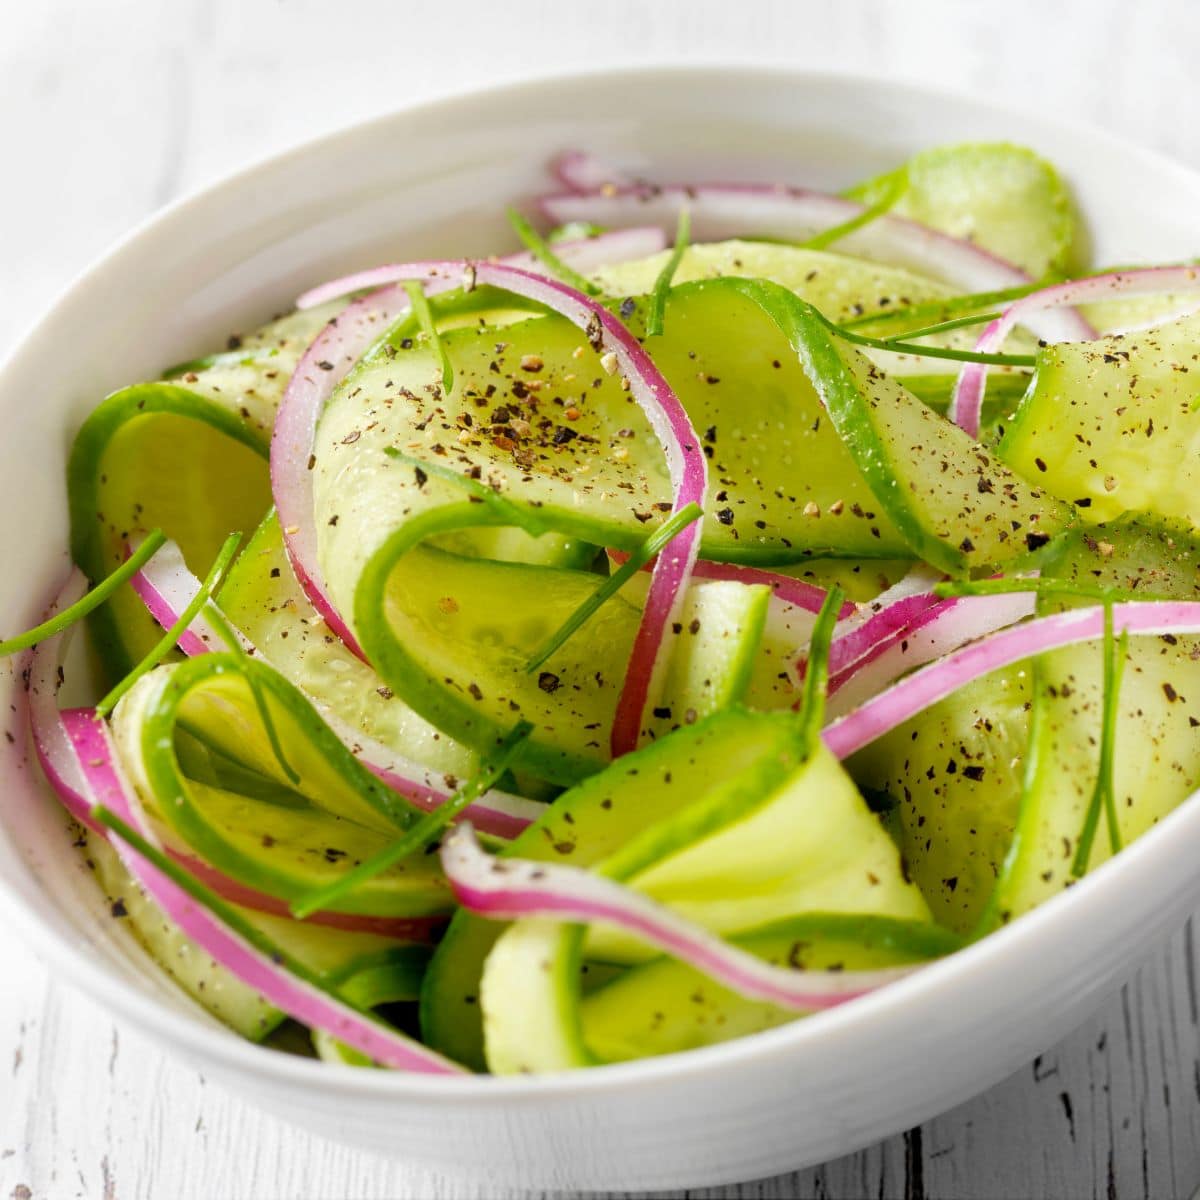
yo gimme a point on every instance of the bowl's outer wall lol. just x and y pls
(434, 181)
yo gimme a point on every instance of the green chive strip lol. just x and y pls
(215, 573)
(540, 250)
(835, 233)
(93, 599)
(423, 831)
(663, 535)
(1006, 585)
(420, 307)
(899, 347)
(227, 634)
(947, 307)
(662, 285)
(1102, 794)
(816, 674)
(944, 326)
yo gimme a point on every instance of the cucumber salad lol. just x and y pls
(720, 607)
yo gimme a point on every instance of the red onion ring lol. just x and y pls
(583, 172)
(932, 683)
(967, 401)
(508, 889)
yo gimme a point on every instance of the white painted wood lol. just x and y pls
(110, 109)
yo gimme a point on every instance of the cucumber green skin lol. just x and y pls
(230, 396)
(665, 1006)
(122, 633)
(145, 725)
(610, 813)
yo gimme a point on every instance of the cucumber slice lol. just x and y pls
(1112, 425)
(1002, 197)
(342, 814)
(806, 842)
(1157, 760)
(366, 968)
(188, 455)
(263, 599)
(589, 823)
(666, 1006)
(717, 643)
(950, 780)
(791, 835)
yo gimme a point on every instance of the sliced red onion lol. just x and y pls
(932, 683)
(92, 744)
(337, 348)
(508, 889)
(935, 631)
(583, 172)
(967, 402)
(166, 587)
(880, 618)
(43, 675)
(583, 254)
(726, 210)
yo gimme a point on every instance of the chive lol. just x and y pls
(1102, 794)
(662, 285)
(85, 604)
(816, 675)
(423, 831)
(168, 640)
(1005, 586)
(542, 252)
(473, 487)
(664, 534)
(420, 307)
(897, 187)
(900, 347)
(968, 302)
(944, 326)
(225, 631)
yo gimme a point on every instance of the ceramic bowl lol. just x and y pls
(433, 181)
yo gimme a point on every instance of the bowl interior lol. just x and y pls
(429, 182)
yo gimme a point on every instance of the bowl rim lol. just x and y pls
(1010, 945)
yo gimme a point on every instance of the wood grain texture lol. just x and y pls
(108, 110)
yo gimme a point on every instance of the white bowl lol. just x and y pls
(434, 180)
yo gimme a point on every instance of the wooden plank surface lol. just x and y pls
(110, 109)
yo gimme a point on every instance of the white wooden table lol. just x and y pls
(112, 108)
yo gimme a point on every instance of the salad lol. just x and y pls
(715, 610)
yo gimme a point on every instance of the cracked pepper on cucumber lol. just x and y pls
(736, 599)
